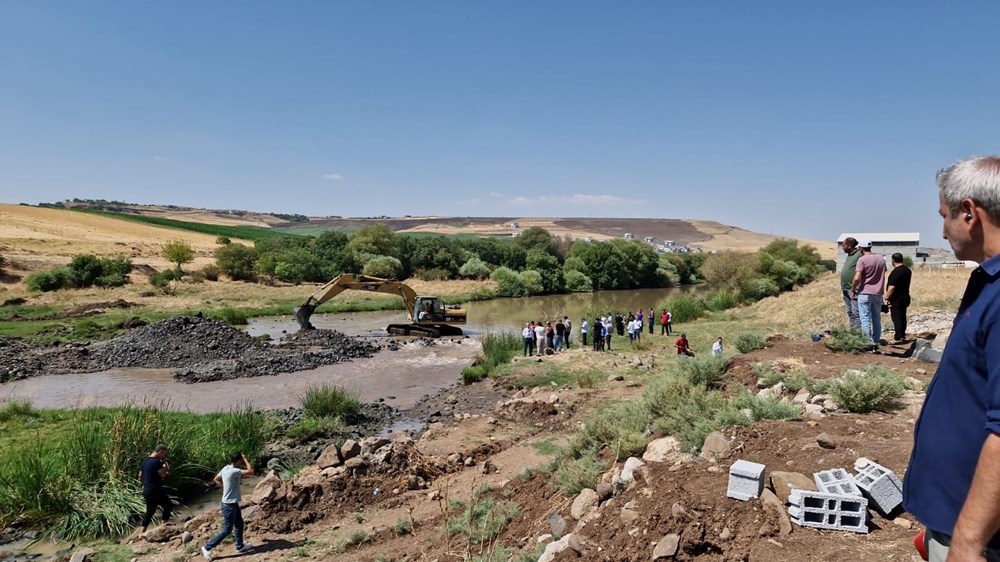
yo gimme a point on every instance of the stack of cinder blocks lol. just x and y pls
(746, 480)
(838, 512)
(879, 484)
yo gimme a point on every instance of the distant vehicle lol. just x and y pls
(629, 236)
(648, 239)
(515, 225)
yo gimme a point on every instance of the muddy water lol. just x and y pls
(401, 377)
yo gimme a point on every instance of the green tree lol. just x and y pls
(731, 271)
(508, 282)
(578, 282)
(377, 239)
(548, 267)
(531, 280)
(383, 266)
(537, 238)
(475, 268)
(237, 261)
(178, 252)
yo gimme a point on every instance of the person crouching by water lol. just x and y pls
(153, 469)
(683, 348)
(232, 518)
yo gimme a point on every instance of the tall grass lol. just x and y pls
(745, 343)
(499, 347)
(683, 307)
(327, 400)
(76, 476)
(704, 371)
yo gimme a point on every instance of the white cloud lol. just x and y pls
(576, 200)
(496, 195)
(333, 177)
(161, 159)
(468, 202)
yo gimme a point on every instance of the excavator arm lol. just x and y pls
(350, 281)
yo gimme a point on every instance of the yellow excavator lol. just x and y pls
(429, 316)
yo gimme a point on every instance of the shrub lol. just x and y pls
(577, 281)
(575, 474)
(483, 519)
(722, 300)
(508, 282)
(211, 272)
(745, 343)
(683, 307)
(704, 371)
(178, 252)
(223, 240)
(685, 411)
(619, 427)
(163, 281)
(847, 339)
(433, 274)
(532, 282)
(762, 408)
(587, 379)
(875, 389)
(474, 373)
(475, 268)
(84, 271)
(230, 316)
(386, 267)
(331, 400)
(237, 261)
(52, 280)
(17, 408)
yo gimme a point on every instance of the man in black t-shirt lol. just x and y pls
(152, 471)
(897, 295)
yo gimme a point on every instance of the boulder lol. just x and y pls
(716, 445)
(666, 547)
(604, 491)
(801, 397)
(545, 538)
(825, 441)
(662, 450)
(350, 449)
(357, 466)
(330, 456)
(784, 482)
(162, 533)
(267, 490)
(557, 524)
(772, 503)
(830, 406)
(629, 516)
(628, 470)
(372, 444)
(584, 503)
(489, 467)
(82, 555)
(554, 548)
(813, 411)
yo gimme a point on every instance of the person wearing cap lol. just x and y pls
(850, 246)
(952, 483)
(152, 470)
(868, 286)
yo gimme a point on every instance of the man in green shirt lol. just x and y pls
(850, 246)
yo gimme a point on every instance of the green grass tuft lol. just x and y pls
(847, 339)
(329, 400)
(875, 389)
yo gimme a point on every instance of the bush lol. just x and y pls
(230, 316)
(386, 267)
(331, 400)
(762, 408)
(474, 373)
(211, 272)
(164, 281)
(576, 281)
(475, 268)
(508, 282)
(685, 411)
(722, 300)
(237, 261)
(847, 339)
(574, 475)
(52, 280)
(433, 274)
(704, 371)
(532, 282)
(745, 343)
(875, 389)
(683, 307)
(619, 427)
(178, 252)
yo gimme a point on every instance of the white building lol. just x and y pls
(883, 243)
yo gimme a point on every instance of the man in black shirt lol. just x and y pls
(897, 295)
(152, 471)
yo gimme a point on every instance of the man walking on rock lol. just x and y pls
(952, 484)
(868, 287)
(232, 518)
(153, 469)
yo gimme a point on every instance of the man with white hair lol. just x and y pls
(952, 484)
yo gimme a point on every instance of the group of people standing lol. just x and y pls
(868, 293)
(539, 337)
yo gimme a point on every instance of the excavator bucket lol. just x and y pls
(302, 314)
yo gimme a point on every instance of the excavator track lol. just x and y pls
(423, 331)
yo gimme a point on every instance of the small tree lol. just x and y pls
(178, 252)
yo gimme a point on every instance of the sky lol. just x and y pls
(795, 118)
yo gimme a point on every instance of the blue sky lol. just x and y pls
(797, 118)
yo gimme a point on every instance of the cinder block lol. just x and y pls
(836, 481)
(746, 480)
(838, 512)
(880, 485)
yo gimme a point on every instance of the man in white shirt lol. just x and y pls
(584, 328)
(717, 347)
(528, 334)
(232, 518)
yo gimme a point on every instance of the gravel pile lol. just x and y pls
(198, 348)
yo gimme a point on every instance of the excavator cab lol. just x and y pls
(428, 309)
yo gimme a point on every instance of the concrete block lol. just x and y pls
(837, 512)
(836, 481)
(880, 485)
(746, 480)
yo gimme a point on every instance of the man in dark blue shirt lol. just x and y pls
(952, 484)
(152, 471)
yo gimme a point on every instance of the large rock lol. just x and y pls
(357, 466)
(813, 411)
(801, 397)
(82, 555)
(554, 548)
(268, 489)
(716, 446)
(584, 503)
(824, 440)
(773, 504)
(628, 470)
(557, 524)
(784, 482)
(330, 457)
(162, 533)
(350, 449)
(666, 547)
(662, 450)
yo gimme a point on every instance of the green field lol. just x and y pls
(240, 232)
